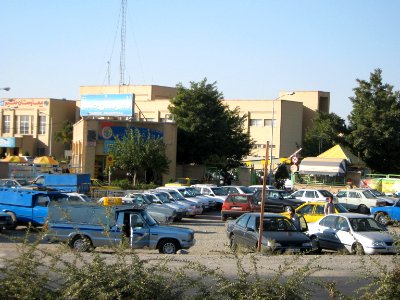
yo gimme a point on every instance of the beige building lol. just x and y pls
(27, 125)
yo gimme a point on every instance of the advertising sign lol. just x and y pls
(7, 142)
(115, 105)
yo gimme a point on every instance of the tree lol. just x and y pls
(65, 135)
(327, 130)
(375, 123)
(136, 152)
(207, 130)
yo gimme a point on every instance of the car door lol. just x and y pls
(250, 236)
(298, 195)
(342, 198)
(272, 201)
(307, 212)
(344, 237)
(353, 200)
(239, 230)
(139, 231)
(310, 196)
(327, 232)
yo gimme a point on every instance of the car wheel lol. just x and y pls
(224, 217)
(232, 243)
(357, 248)
(81, 243)
(362, 209)
(168, 246)
(315, 244)
(14, 224)
(382, 218)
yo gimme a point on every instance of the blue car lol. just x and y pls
(386, 214)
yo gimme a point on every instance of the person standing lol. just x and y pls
(294, 218)
(329, 206)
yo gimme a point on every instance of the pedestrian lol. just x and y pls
(294, 218)
(329, 206)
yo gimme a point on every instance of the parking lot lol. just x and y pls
(211, 249)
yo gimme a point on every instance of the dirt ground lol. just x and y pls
(211, 249)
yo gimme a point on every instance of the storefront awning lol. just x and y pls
(323, 166)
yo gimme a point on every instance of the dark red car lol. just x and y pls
(236, 205)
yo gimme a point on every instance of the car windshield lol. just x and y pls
(277, 224)
(368, 195)
(149, 220)
(365, 224)
(193, 192)
(340, 208)
(246, 190)
(377, 193)
(163, 197)
(219, 191)
(176, 195)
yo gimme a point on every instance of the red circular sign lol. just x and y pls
(295, 159)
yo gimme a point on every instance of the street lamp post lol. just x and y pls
(272, 132)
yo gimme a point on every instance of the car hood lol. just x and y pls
(171, 229)
(374, 236)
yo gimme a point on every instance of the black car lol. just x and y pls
(279, 233)
(277, 200)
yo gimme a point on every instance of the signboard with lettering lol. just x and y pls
(108, 105)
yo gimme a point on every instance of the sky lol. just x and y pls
(252, 49)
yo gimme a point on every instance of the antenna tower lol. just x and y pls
(123, 36)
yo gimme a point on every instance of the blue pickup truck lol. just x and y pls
(27, 205)
(387, 214)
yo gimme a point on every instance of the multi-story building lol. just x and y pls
(27, 125)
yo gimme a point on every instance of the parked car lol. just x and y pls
(14, 182)
(237, 204)
(351, 232)
(178, 198)
(77, 197)
(183, 182)
(358, 200)
(279, 233)
(387, 214)
(212, 201)
(259, 187)
(212, 190)
(312, 195)
(184, 192)
(161, 200)
(160, 214)
(384, 199)
(277, 200)
(6, 221)
(313, 211)
(237, 189)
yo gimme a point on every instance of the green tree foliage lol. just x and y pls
(375, 124)
(65, 136)
(207, 130)
(136, 152)
(327, 130)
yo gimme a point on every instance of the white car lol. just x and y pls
(237, 189)
(358, 200)
(352, 232)
(76, 197)
(196, 208)
(213, 191)
(259, 187)
(309, 195)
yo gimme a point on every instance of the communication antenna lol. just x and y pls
(123, 36)
(108, 72)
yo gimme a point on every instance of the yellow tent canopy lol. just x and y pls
(339, 151)
(45, 160)
(14, 159)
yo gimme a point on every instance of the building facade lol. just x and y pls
(27, 125)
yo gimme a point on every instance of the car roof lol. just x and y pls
(266, 214)
(354, 215)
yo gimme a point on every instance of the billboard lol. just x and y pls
(116, 105)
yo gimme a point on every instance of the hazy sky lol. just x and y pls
(251, 48)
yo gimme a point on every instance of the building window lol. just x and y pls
(41, 151)
(24, 125)
(269, 122)
(42, 124)
(256, 122)
(6, 124)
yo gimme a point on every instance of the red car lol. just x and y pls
(236, 205)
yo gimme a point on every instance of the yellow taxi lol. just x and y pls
(313, 211)
(183, 182)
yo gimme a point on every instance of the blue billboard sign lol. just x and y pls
(109, 131)
(8, 142)
(116, 105)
